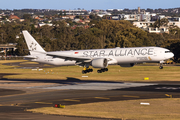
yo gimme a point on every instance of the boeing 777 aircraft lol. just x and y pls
(97, 58)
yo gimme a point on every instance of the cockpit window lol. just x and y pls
(167, 51)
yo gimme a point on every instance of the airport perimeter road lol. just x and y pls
(14, 101)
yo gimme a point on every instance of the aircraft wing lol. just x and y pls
(72, 57)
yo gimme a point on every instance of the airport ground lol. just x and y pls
(30, 90)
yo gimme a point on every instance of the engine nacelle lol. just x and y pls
(127, 65)
(99, 63)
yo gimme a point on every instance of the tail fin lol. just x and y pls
(32, 44)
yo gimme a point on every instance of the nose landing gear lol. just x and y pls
(161, 65)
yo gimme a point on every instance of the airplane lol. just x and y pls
(97, 58)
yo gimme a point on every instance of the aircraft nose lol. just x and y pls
(169, 55)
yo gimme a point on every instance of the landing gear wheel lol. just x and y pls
(161, 67)
(84, 72)
(90, 70)
(103, 70)
(99, 71)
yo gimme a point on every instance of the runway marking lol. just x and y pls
(43, 103)
(72, 100)
(101, 98)
(26, 94)
(130, 96)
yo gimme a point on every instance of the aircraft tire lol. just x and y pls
(84, 72)
(99, 71)
(161, 67)
(103, 70)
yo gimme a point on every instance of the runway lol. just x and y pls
(31, 93)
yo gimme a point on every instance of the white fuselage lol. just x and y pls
(114, 55)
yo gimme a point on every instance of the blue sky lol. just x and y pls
(88, 4)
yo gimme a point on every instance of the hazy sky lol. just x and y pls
(88, 4)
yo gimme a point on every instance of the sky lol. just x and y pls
(88, 4)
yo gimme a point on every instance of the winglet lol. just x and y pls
(32, 44)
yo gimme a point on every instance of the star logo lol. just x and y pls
(33, 46)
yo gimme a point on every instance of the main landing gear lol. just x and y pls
(86, 70)
(102, 70)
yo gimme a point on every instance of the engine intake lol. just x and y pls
(99, 63)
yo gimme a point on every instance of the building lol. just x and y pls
(175, 21)
(13, 17)
(143, 24)
(42, 24)
(158, 30)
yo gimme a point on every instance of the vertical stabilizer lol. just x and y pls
(32, 44)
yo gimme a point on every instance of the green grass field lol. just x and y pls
(115, 73)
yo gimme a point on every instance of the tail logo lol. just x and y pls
(33, 46)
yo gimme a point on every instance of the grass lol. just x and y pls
(159, 109)
(115, 73)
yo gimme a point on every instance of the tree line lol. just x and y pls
(100, 34)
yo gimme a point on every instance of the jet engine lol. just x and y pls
(99, 63)
(127, 65)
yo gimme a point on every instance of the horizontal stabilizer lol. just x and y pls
(30, 57)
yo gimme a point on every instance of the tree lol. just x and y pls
(64, 13)
(88, 41)
(161, 22)
(95, 17)
(27, 17)
(122, 34)
(175, 48)
(21, 48)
